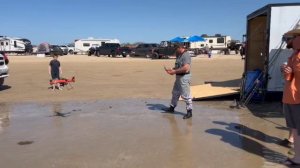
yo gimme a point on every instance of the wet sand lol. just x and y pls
(113, 118)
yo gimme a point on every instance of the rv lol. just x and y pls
(197, 45)
(217, 42)
(15, 45)
(82, 46)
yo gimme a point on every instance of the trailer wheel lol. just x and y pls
(71, 52)
(155, 56)
(113, 54)
(1, 81)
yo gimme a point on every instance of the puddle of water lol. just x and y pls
(124, 133)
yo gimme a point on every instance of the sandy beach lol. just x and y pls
(110, 78)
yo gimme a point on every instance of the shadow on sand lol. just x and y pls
(160, 107)
(4, 87)
(229, 83)
(57, 111)
(270, 107)
(248, 145)
(244, 130)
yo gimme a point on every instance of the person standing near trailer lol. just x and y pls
(291, 98)
(181, 87)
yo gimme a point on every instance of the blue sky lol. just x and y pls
(63, 21)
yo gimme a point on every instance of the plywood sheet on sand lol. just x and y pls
(207, 91)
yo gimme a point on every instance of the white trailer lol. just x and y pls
(265, 47)
(83, 45)
(198, 44)
(217, 42)
(15, 45)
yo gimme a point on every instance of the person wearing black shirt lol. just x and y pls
(55, 71)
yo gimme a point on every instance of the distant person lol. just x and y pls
(181, 87)
(291, 98)
(208, 50)
(243, 50)
(55, 71)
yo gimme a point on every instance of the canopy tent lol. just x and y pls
(178, 40)
(195, 39)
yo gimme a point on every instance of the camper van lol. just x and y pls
(15, 45)
(82, 46)
(217, 42)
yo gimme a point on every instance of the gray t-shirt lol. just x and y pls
(185, 58)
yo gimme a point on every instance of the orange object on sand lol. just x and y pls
(62, 81)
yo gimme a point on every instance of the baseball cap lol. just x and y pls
(295, 32)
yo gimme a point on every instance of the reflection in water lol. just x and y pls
(181, 155)
(57, 110)
(4, 115)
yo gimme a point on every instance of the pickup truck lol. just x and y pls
(71, 48)
(3, 67)
(145, 50)
(110, 49)
(167, 49)
(164, 50)
(65, 49)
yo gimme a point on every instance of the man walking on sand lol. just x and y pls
(183, 79)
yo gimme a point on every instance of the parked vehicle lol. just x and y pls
(217, 42)
(145, 50)
(110, 49)
(235, 45)
(124, 51)
(71, 48)
(164, 50)
(15, 45)
(167, 49)
(3, 67)
(65, 49)
(48, 49)
(56, 50)
(82, 46)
